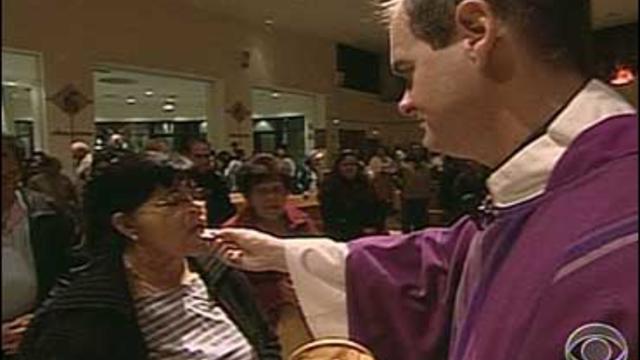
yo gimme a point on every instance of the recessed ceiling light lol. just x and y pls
(131, 100)
(170, 99)
(148, 93)
(275, 95)
(168, 107)
(336, 121)
(269, 22)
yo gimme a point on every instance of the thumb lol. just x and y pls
(236, 236)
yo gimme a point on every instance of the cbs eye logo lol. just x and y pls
(596, 342)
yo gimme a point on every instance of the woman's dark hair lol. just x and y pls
(259, 169)
(335, 172)
(122, 181)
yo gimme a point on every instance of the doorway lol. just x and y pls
(269, 133)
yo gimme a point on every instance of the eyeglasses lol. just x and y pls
(184, 196)
(174, 201)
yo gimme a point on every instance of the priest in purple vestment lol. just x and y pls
(548, 268)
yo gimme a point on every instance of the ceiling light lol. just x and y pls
(168, 107)
(10, 83)
(275, 95)
(269, 22)
(170, 99)
(148, 93)
(131, 100)
(336, 122)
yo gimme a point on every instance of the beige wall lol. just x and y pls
(74, 35)
(364, 112)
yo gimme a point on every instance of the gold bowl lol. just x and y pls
(332, 349)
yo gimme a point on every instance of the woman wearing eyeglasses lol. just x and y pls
(150, 290)
(265, 184)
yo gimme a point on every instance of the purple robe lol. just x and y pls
(565, 257)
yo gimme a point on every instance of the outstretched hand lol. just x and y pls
(248, 250)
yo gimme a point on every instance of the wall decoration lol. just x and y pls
(71, 101)
(239, 111)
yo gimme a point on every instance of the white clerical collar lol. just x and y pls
(525, 175)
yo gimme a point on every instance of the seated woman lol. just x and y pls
(265, 185)
(348, 201)
(150, 289)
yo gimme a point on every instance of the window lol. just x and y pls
(360, 69)
(22, 99)
(283, 118)
(140, 106)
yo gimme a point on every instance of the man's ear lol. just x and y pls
(124, 225)
(479, 28)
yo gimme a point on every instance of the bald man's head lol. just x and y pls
(79, 149)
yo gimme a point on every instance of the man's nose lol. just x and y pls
(406, 106)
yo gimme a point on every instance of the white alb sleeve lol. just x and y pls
(317, 269)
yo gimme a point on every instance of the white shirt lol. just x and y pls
(19, 282)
